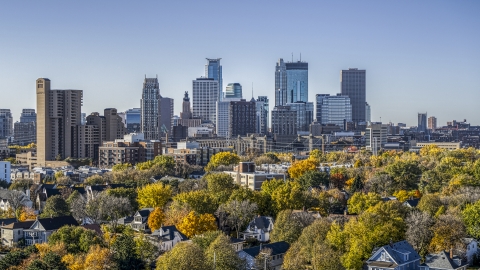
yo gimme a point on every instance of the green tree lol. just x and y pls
(448, 233)
(184, 256)
(204, 240)
(288, 196)
(313, 179)
(201, 201)
(122, 249)
(289, 226)
(220, 186)
(94, 180)
(430, 203)
(55, 206)
(122, 192)
(145, 250)
(121, 167)
(360, 202)
(76, 239)
(405, 173)
(471, 218)
(221, 255)
(222, 158)
(238, 213)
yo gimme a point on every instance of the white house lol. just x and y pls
(274, 260)
(395, 256)
(259, 228)
(167, 237)
(471, 248)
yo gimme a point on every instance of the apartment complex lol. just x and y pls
(205, 94)
(150, 109)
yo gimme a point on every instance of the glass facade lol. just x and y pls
(150, 111)
(333, 109)
(297, 82)
(280, 83)
(304, 111)
(233, 90)
(353, 85)
(213, 70)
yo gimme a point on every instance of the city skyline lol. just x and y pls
(413, 66)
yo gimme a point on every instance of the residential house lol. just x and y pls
(140, 220)
(5, 196)
(42, 228)
(236, 243)
(395, 256)
(471, 248)
(259, 228)
(443, 261)
(275, 259)
(412, 203)
(167, 237)
(13, 232)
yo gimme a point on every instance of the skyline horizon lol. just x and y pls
(419, 56)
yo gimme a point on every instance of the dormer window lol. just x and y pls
(406, 257)
(383, 256)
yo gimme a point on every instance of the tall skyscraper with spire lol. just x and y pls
(186, 109)
(150, 109)
(280, 83)
(213, 70)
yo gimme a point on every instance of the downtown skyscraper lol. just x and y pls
(280, 83)
(353, 85)
(291, 82)
(213, 70)
(150, 109)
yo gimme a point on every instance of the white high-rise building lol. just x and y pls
(205, 95)
(333, 109)
(376, 136)
(6, 123)
(150, 109)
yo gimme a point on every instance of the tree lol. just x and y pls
(156, 219)
(471, 218)
(175, 213)
(123, 252)
(17, 200)
(129, 193)
(419, 233)
(430, 203)
(55, 206)
(121, 167)
(94, 180)
(200, 201)
(289, 226)
(194, 224)
(222, 158)
(313, 179)
(204, 240)
(360, 202)
(220, 186)
(264, 259)
(221, 255)
(145, 250)
(76, 239)
(111, 208)
(301, 167)
(380, 183)
(448, 233)
(154, 195)
(184, 256)
(238, 213)
(27, 213)
(99, 258)
(405, 173)
(288, 196)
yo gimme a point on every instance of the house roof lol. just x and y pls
(125, 220)
(93, 227)
(7, 221)
(168, 233)
(442, 260)
(262, 222)
(57, 222)
(19, 225)
(397, 251)
(80, 190)
(144, 212)
(412, 202)
(52, 192)
(277, 248)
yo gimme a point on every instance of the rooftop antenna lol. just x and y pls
(300, 57)
(292, 57)
(252, 89)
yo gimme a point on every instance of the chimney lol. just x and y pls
(260, 246)
(451, 253)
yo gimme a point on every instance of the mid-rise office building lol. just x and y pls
(376, 136)
(205, 94)
(28, 115)
(213, 70)
(284, 120)
(280, 83)
(25, 131)
(304, 114)
(150, 109)
(133, 119)
(353, 85)
(58, 119)
(333, 109)
(6, 123)
(297, 81)
(166, 115)
(422, 122)
(432, 122)
(233, 90)
(242, 117)
(262, 108)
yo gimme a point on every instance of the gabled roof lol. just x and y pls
(396, 252)
(7, 221)
(94, 227)
(19, 225)
(261, 222)
(52, 192)
(80, 190)
(56, 223)
(277, 248)
(168, 233)
(442, 261)
(412, 202)
(144, 212)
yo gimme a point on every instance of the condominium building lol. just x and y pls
(333, 109)
(28, 115)
(133, 120)
(353, 85)
(376, 136)
(205, 94)
(280, 83)
(166, 115)
(262, 109)
(58, 121)
(132, 149)
(422, 122)
(150, 109)
(432, 122)
(6, 123)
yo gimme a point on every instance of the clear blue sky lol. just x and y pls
(419, 55)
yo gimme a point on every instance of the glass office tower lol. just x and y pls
(213, 70)
(297, 81)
